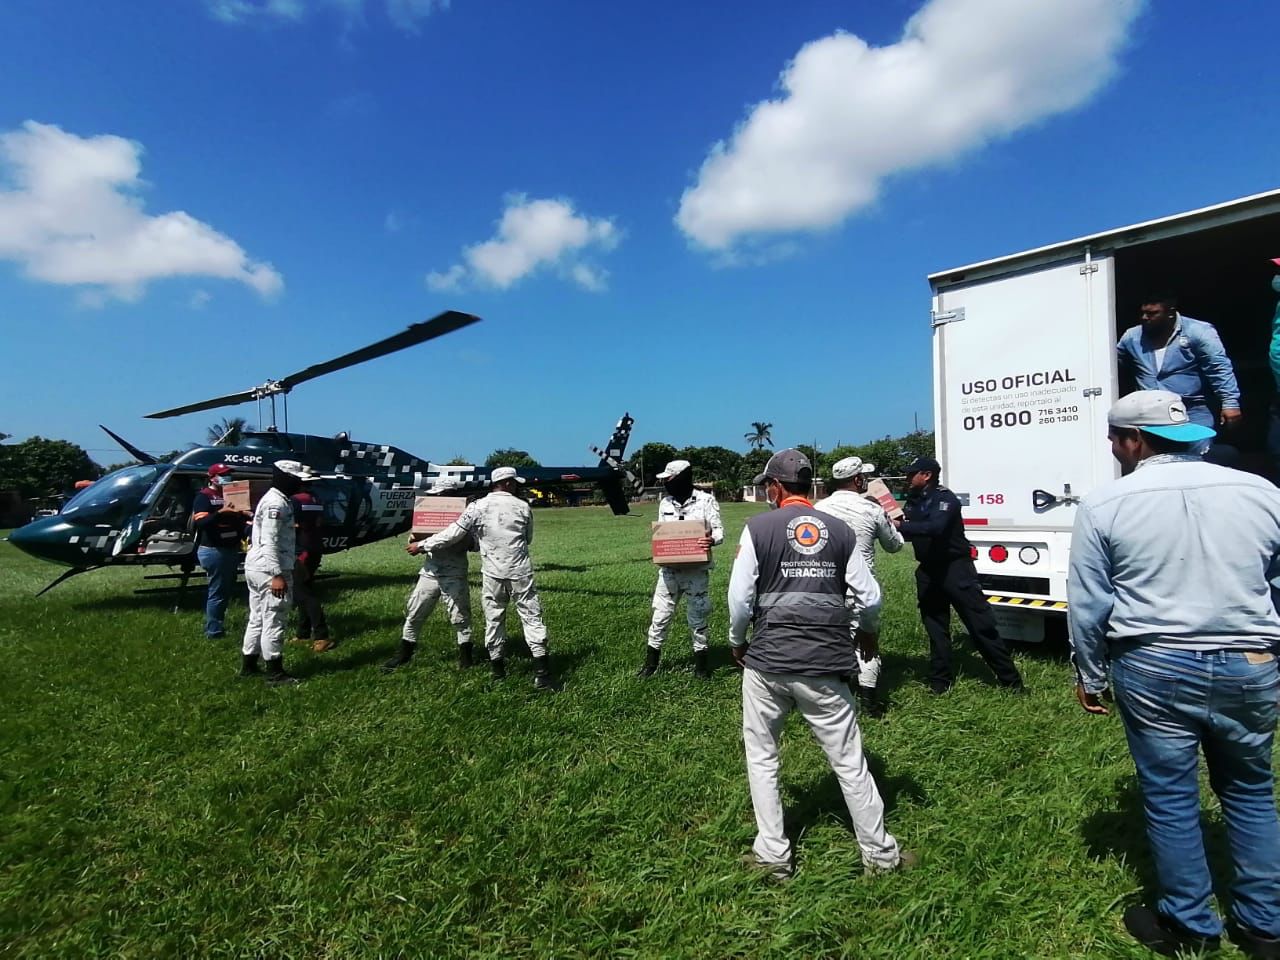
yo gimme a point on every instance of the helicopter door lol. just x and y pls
(341, 502)
(164, 529)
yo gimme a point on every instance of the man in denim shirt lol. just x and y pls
(1168, 351)
(1273, 435)
(1173, 589)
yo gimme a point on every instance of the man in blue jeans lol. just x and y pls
(1273, 434)
(1173, 590)
(219, 530)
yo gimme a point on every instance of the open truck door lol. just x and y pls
(1024, 367)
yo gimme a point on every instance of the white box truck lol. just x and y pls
(1024, 368)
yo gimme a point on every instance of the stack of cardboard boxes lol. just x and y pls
(675, 542)
(878, 490)
(433, 514)
(243, 495)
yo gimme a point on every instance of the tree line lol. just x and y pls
(730, 471)
(39, 467)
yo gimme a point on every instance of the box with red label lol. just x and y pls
(676, 542)
(880, 493)
(243, 495)
(433, 514)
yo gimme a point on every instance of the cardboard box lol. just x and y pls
(676, 542)
(880, 493)
(433, 514)
(243, 495)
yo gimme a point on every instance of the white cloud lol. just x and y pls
(590, 278)
(965, 72)
(236, 11)
(72, 217)
(393, 222)
(404, 15)
(448, 280)
(533, 234)
(200, 299)
(407, 15)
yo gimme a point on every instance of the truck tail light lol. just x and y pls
(973, 553)
(998, 554)
(1029, 555)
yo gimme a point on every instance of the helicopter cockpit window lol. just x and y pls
(171, 502)
(116, 494)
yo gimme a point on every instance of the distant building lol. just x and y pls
(755, 494)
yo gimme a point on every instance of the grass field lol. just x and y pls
(152, 805)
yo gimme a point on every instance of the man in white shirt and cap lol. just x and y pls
(268, 571)
(691, 580)
(502, 523)
(850, 502)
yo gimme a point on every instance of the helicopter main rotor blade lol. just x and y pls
(416, 333)
(140, 455)
(230, 400)
(438, 326)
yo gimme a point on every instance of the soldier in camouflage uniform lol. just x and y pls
(691, 581)
(502, 523)
(443, 577)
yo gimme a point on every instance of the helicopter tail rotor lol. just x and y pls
(623, 482)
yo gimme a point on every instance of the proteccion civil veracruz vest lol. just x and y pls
(801, 621)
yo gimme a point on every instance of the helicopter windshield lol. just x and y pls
(117, 493)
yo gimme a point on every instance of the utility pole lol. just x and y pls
(813, 492)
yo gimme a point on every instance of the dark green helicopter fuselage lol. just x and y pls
(140, 514)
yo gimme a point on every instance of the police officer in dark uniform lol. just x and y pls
(308, 513)
(218, 530)
(946, 578)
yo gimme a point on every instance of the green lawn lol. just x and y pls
(151, 804)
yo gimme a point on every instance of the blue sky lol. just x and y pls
(301, 178)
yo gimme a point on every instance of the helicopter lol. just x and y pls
(139, 515)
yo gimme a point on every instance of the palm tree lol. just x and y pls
(759, 435)
(227, 431)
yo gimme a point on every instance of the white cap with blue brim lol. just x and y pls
(1159, 412)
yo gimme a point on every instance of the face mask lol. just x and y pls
(773, 504)
(218, 481)
(1275, 283)
(680, 486)
(286, 483)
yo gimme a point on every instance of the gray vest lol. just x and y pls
(801, 619)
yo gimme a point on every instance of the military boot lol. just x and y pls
(403, 656)
(249, 665)
(542, 674)
(466, 655)
(499, 667)
(701, 665)
(651, 657)
(276, 675)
